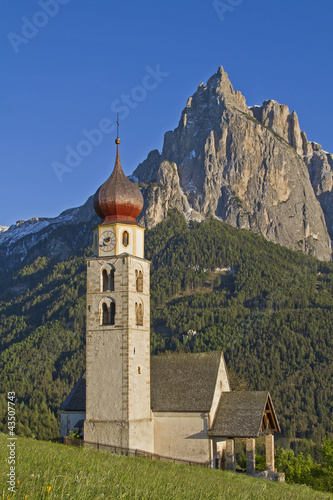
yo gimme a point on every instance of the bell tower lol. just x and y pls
(118, 410)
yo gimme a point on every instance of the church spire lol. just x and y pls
(118, 199)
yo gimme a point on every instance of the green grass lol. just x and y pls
(79, 473)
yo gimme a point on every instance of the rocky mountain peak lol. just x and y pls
(247, 166)
(217, 95)
(224, 89)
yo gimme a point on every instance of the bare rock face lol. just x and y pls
(243, 165)
(318, 162)
(278, 117)
(163, 194)
(320, 166)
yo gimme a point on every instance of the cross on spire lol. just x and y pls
(117, 141)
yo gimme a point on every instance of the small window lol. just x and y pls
(139, 314)
(105, 319)
(112, 313)
(139, 281)
(139, 370)
(220, 384)
(112, 280)
(125, 239)
(105, 278)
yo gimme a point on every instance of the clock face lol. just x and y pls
(107, 241)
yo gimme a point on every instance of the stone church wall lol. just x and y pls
(183, 436)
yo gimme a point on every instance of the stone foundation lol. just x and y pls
(271, 476)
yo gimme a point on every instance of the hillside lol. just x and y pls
(54, 471)
(268, 308)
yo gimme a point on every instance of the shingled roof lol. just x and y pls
(76, 400)
(244, 414)
(183, 382)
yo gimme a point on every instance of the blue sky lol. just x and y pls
(68, 65)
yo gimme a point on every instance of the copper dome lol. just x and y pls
(118, 199)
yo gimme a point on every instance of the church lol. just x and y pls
(174, 405)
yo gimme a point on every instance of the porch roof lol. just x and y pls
(244, 414)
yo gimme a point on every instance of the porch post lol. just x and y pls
(270, 462)
(230, 462)
(251, 456)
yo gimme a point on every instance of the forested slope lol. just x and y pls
(212, 287)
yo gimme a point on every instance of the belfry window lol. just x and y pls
(139, 281)
(125, 239)
(105, 279)
(107, 283)
(112, 313)
(108, 313)
(105, 315)
(112, 280)
(139, 314)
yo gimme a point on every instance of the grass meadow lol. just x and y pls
(46, 470)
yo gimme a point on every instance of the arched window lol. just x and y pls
(105, 314)
(105, 280)
(125, 239)
(112, 313)
(139, 281)
(112, 280)
(108, 312)
(139, 314)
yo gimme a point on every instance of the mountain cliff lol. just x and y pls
(59, 237)
(251, 167)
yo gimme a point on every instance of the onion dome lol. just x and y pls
(118, 199)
